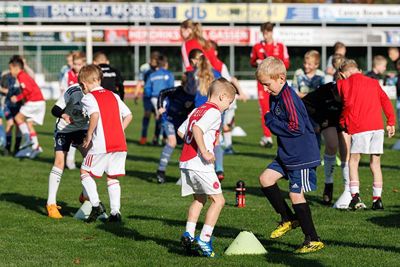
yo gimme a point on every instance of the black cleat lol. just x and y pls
(328, 194)
(95, 213)
(377, 204)
(356, 203)
(115, 218)
(187, 244)
(160, 177)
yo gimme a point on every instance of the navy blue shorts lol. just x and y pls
(147, 105)
(62, 141)
(10, 112)
(299, 180)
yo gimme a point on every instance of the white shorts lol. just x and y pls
(34, 111)
(113, 164)
(370, 142)
(197, 182)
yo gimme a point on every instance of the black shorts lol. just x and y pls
(62, 141)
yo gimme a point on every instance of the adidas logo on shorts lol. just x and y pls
(295, 186)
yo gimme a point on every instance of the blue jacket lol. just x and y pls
(159, 80)
(288, 120)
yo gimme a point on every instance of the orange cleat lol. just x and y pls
(52, 211)
(142, 141)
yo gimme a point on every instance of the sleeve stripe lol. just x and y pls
(293, 120)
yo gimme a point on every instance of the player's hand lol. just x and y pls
(208, 157)
(391, 130)
(258, 61)
(243, 97)
(67, 118)
(161, 111)
(87, 141)
(14, 99)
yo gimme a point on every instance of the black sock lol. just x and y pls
(8, 142)
(274, 196)
(17, 143)
(303, 213)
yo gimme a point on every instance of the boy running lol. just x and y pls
(297, 157)
(200, 133)
(108, 119)
(34, 108)
(71, 127)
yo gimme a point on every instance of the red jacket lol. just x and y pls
(72, 77)
(262, 50)
(363, 100)
(30, 90)
(210, 54)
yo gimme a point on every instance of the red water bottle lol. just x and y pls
(240, 194)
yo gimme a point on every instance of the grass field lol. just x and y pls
(154, 215)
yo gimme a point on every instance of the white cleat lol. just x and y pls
(343, 201)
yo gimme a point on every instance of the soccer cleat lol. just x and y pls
(264, 142)
(160, 177)
(310, 246)
(343, 201)
(356, 203)
(114, 218)
(155, 141)
(220, 175)
(52, 211)
(204, 248)
(83, 198)
(283, 228)
(229, 151)
(35, 152)
(142, 141)
(95, 213)
(28, 143)
(187, 243)
(377, 204)
(327, 195)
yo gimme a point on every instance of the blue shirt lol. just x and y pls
(159, 80)
(179, 104)
(288, 120)
(8, 81)
(304, 84)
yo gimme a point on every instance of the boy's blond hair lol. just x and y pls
(222, 85)
(312, 54)
(348, 64)
(378, 60)
(272, 67)
(90, 74)
(78, 55)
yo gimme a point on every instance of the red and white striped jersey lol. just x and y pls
(72, 77)
(262, 50)
(208, 118)
(109, 135)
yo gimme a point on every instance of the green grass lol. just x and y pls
(154, 215)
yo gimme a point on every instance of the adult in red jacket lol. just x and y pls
(267, 48)
(192, 36)
(363, 101)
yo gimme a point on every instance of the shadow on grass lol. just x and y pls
(36, 204)
(142, 158)
(149, 177)
(383, 166)
(253, 155)
(286, 257)
(120, 230)
(220, 231)
(389, 221)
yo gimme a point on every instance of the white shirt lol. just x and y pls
(209, 122)
(109, 135)
(71, 102)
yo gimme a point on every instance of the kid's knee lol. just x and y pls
(218, 200)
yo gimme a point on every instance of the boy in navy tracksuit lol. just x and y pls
(159, 80)
(297, 158)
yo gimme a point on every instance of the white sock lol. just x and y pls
(71, 155)
(35, 140)
(91, 189)
(114, 192)
(346, 176)
(354, 187)
(329, 165)
(206, 233)
(191, 228)
(54, 182)
(376, 191)
(23, 127)
(228, 139)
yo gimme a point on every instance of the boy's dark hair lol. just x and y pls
(214, 45)
(267, 26)
(16, 60)
(162, 61)
(195, 53)
(155, 55)
(100, 56)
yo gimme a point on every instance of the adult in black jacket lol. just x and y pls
(112, 79)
